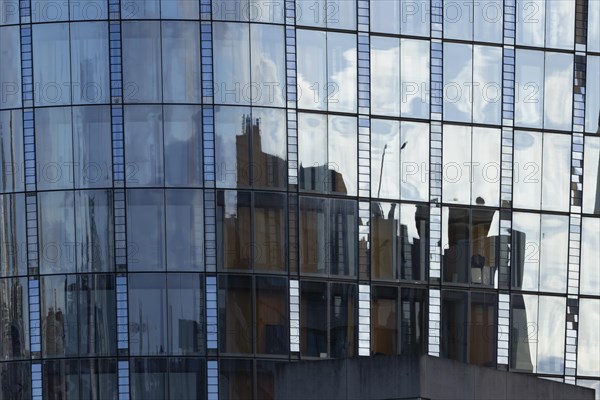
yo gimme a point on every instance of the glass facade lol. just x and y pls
(193, 191)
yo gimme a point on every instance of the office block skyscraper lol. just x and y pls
(193, 191)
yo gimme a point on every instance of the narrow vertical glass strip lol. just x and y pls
(294, 316)
(433, 348)
(364, 320)
(123, 373)
(122, 314)
(503, 328)
(36, 381)
(212, 379)
(212, 332)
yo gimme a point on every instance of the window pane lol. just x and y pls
(558, 90)
(457, 156)
(385, 228)
(141, 46)
(9, 13)
(485, 167)
(314, 239)
(343, 154)
(59, 315)
(311, 64)
(482, 331)
(414, 154)
(385, 79)
(56, 219)
(413, 320)
(551, 335)
(488, 20)
(140, 9)
(233, 130)
(235, 379)
(51, 72)
(271, 316)
(10, 50)
(415, 17)
(88, 9)
(231, 10)
(590, 257)
(341, 72)
(385, 158)
(484, 242)
(99, 379)
(148, 378)
(454, 325)
(54, 148)
(94, 230)
(186, 314)
(458, 20)
(147, 314)
(554, 253)
(97, 305)
(184, 230)
(270, 231)
(89, 62)
(183, 145)
(170, 9)
(527, 184)
(231, 53)
(92, 146)
(312, 151)
(591, 176)
(487, 84)
(592, 94)
(524, 330)
(414, 238)
(456, 233)
(14, 314)
(556, 172)
(265, 378)
(268, 61)
(187, 378)
(458, 76)
(531, 17)
(560, 24)
(181, 60)
(233, 230)
(13, 239)
(12, 168)
(60, 379)
(311, 13)
(589, 344)
(341, 14)
(384, 320)
(342, 309)
(343, 237)
(269, 148)
(415, 78)
(144, 146)
(15, 377)
(313, 319)
(145, 230)
(525, 251)
(235, 314)
(529, 85)
(384, 16)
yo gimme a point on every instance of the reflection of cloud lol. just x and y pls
(342, 74)
(385, 62)
(558, 89)
(415, 77)
(268, 60)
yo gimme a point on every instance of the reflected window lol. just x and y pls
(181, 59)
(94, 233)
(144, 146)
(13, 253)
(588, 343)
(57, 239)
(51, 71)
(89, 62)
(269, 148)
(234, 230)
(147, 315)
(141, 46)
(313, 319)
(184, 230)
(60, 334)
(235, 314)
(145, 229)
(148, 378)
(54, 148)
(185, 314)
(236, 379)
(97, 322)
(590, 257)
(183, 145)
(14, 311)
(591, 176)
(11, 64)
(12, 165)
(271, 316)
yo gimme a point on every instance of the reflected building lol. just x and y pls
(192, 194)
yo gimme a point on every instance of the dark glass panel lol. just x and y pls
(60, 379)
(15, 380)
(269, 148)
(51, 70)
(141, 47)
(144, 146)
(314, 235)
(187, 378)
(12, 167)
(454, 325)
(455, 223)
(11, 64)
(385, 226)
(235, 379)
(234, 230)
(145, 230)
(94, 222)
(54, 148)
(343, 315)
(413, 321)
(313, 319)
(185, 313)
(265, 379)
(343, 237)
(235, 314)
(269, 231)
(271, 316)
(482, 329)
(14, 311)
(89, 62)
(483, 247)
(183, 145)
(148, 378)
(60, 336)
(414, 241)
(384, 320)
(147, 314)
(98, 379)
(97, 321)
(233, 132)
(184, 230)
(181, 60)
(13, 239)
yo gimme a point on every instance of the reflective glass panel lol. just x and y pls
(414, 155)
(54, 148)
(342, 78)
(269, 231)
(341, 14)
(51, 72)
(183, 145)
(13, 239)
(88, 9)
(558, 90)
(14, 311)
(592, 94)
(529, 87)
(94, 235)
(488, 19)
(590, 257)
(458, 20)
(342, 139)
(593, 26)
(98, 379)
(560, 24)
(527, 170)
(15, 377)
(524, 332)
(556, 172)
(415, 17)
(267, 63)
(231, 10)
(456, 234)
(482, 329)
(271, 316)
(342, 314)
(413, 320)
(173, 9)
(414, 234)
(483, 247)
(184, 230)
(312, 151)
(231, 55)
(269, 148)
(60, 336)
(343, 239)
(455, 315)
(385, 229)
(314, 237)
(9, 12)
(10, 79)
(235, 379)
(12, 167)
(311, 47)
(97, 310)
(313, 319)
(385, 75)
(187, 378)
(141, 46)
(550, 335)
(148, 378)
(456, 186)
(145, 230)
(588, 343)
(531, 20)
(384, 320)
(235, 314)
(147, 297)
(525, 251)
(57, 240)
(233, 132)
(414, 59)
(487, 84)
(144, 146)
(181, 60)
(140, 9)
(234, 230)
(385, 158)
(485, 167)
(458, 77)
(384, 16)
(60, 379)
(591, 176)
(185, 314)
(311, 12)
(89, 62)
